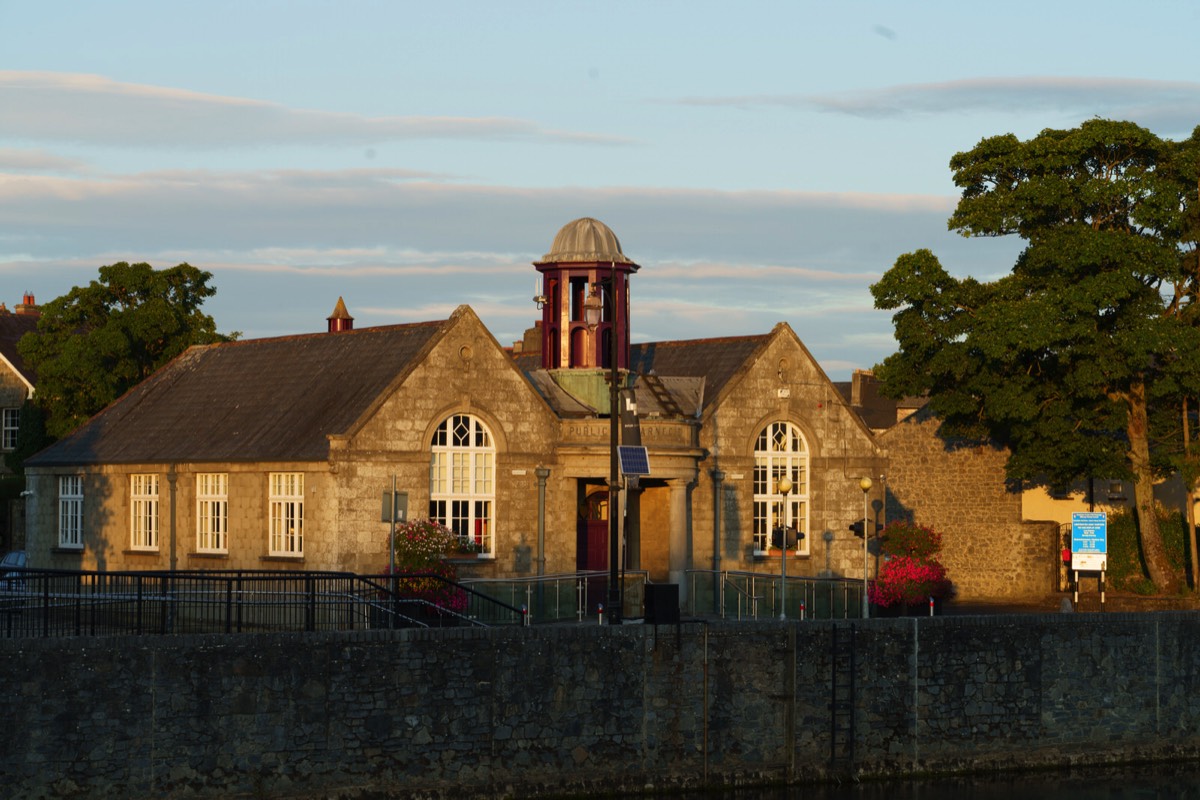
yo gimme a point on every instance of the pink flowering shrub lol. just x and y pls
(419, 548)
(910, 573)
(908, 581)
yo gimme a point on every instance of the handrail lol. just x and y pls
(562, 596)
(741, 593)
(58, 602)
(818, 598)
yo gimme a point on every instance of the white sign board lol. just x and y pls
(1093, 562)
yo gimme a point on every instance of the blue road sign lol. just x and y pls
(1089, 532)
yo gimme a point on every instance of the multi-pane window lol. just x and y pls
(212, 512)
(780, 451)
(70, 511)
(9, 422)
(143, 507)
(287, 514)
(462, 480)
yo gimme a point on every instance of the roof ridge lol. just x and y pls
(340, 334)
(709, 340)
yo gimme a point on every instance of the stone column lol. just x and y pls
(679, 540)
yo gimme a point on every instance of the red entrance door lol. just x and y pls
(591, 551)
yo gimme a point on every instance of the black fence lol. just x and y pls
(44, 603)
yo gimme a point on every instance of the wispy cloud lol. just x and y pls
(18, 160)
(95, 110)
(1169, 107)
(283, 245)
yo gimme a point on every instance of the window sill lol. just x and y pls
(141, 552)
(773, 555)
(217, 556)
(287, 559)
(60, 550)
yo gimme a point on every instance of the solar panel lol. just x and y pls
(634, 460)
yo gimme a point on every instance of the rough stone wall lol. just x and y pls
(567, 709)
(784, 384)
(960, 491)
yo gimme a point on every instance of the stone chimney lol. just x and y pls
(340, 319)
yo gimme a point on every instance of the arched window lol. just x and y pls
(462, 480)
(780, 450)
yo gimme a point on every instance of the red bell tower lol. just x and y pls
(585, 268)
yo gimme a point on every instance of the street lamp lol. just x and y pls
(784, 485)
(593, 308)
(865, 485)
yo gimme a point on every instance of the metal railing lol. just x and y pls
(46, 603)
(757, 595)
(564, 597)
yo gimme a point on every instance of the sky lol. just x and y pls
(763, 162)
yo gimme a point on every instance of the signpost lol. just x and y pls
(1089, 547)
(395, 509)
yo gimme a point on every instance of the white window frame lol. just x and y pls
(143, 512)
(779, 450)
(212, 512)
(286, 500)
(462, 481)
(10, 424)
(70, 511)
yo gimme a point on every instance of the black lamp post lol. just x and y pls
(865, 485)
(784, 485)
(593, 312)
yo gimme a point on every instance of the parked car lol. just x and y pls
(11, 577)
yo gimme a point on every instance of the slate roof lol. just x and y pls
(693, 373)
(12, 328)
(256, 400)
(714, 360)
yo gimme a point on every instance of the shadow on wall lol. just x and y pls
(731, 527)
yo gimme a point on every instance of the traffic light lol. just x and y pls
(793, 536)
(857, 527)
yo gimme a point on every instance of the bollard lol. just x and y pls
(600, 612)
(524, 616)
(931, 605)
(801, 610)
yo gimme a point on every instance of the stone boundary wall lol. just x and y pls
(578, 709)
(989, 551)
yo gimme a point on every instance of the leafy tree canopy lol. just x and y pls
(96, 342)
(1059, 359)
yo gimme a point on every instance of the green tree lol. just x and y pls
(96, 342)
(1058, 360)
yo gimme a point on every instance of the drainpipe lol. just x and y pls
(171, 479)
(542, 474)
(718, 478)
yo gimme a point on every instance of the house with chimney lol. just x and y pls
(275, 453)
(278, 453)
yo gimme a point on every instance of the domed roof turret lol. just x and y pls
(585, 240)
